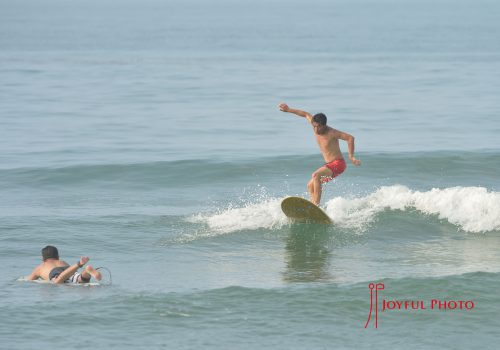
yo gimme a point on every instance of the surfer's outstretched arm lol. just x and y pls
(284, 108)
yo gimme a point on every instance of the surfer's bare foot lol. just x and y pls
(93, 272)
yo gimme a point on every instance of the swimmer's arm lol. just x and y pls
(66, 274)
(34, 275)
(284, 108)
(350, 144)
(70, 270)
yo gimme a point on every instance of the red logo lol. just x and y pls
(377, 287)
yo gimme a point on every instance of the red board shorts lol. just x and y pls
(337, 167)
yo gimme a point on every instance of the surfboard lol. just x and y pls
(299, 209)
(41, 281)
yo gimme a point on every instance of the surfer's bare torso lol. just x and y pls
(328, 143)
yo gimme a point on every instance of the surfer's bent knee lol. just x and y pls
(315, 176)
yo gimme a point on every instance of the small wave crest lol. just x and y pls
(473, 209)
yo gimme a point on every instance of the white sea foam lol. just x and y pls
(472, 209)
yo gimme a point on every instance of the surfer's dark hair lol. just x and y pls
(50, 252)
(319, 118)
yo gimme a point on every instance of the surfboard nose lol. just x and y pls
(301, 210)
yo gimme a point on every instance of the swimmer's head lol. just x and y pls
(50, 252)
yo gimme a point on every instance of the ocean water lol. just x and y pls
(145, 135)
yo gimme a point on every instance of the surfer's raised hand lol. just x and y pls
(283, 107)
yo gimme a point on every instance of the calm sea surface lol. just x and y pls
(145, 134)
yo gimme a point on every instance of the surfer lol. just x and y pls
(58, 271)
(328, 141)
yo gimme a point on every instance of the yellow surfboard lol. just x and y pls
(301, 210)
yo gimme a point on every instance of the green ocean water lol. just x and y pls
(146, 135)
